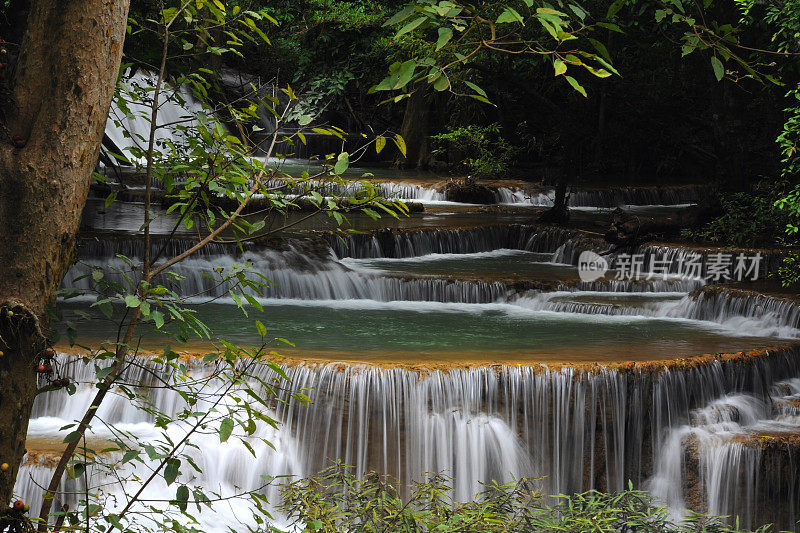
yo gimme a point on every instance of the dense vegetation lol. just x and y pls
(336, 500)
(663, 114)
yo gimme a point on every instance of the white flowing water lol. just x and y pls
(718, 440)
(581, 430)
(431, 194)
(130, 131)
(304, 270)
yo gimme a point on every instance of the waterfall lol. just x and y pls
(737, 471)
(402, 190)
(628, 285)
(414, 243)
(509, 195)
(399, 190)
(127, 131)
(690, 263)
(310, 270)
(227, 467)
(635, 196)
(732, 306)
(580, 429)
(746, 313)
(298, 271)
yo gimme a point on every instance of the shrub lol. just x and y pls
(338, 501)
(748, 218)
(480, 150)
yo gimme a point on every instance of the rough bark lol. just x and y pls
(60, 94)
(415, 130)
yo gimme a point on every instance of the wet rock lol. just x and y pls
(469, 192)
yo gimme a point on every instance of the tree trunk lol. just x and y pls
(559, 213)
(60, 95)
(415, 130)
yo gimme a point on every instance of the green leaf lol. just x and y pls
(400, 16)
(130, 455)
(131, 300)
(609, 26)
(371, 213)
(168, 14)
(600, 47)
(72, 436)
(599, 72)
(401, 144)
(480, 98)
(445, 34)
(249, 448)
(509, 15)
(171, 470)
(115, 521)
(77, 470)
(158, 318)
(442, 83)
(181, 497)
(102, 373)
(575, 85)
(380, 143)
(151, 452)
(559, 66)
(410, 26)
(578, 11)
(405, 74)
(614, 8)
(225, 429)
(342, 162)
(475, 88)
(262, 329)
(719, 70)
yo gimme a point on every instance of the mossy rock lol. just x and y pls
(468, 193)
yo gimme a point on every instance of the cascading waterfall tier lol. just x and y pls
(425, 193)
(582, 428)
(740, 310)
(689, 194)
(738, 454)
(672, 260)
(299, 270)
(418, 242)
(310, 269)
(719, 304)
(602, 198)
(399, 190)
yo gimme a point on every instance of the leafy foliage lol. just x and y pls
(783, 21)
(480, 150)
(453, 33)
(748, 218)
(338, 501)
